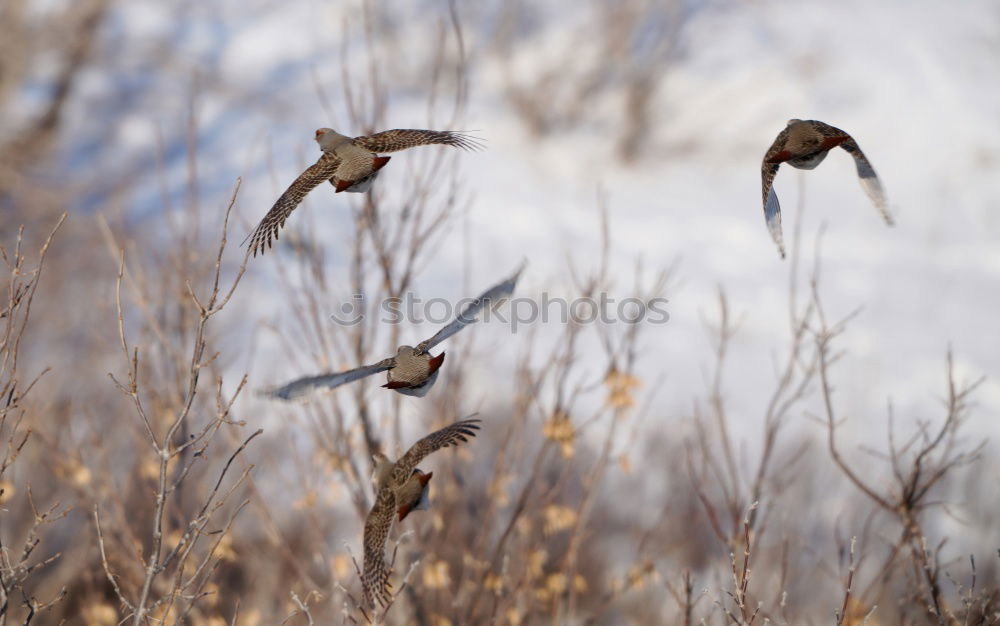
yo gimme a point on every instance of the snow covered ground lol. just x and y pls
(914, 82)
(908, 80)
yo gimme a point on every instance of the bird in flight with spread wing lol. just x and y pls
(400, 488)
(350, 164)
(804, 144)
(413, 370)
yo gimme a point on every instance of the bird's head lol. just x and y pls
(790, 122)
(405, 351)
(329, 139)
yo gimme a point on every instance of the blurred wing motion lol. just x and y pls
(317, 173)
(302, 386)
(491, 297)
(404, 138)
(375, 577)
(869, 180)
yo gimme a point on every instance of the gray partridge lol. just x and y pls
(413, 370)
(350, 164)
(804, 144)
(399, 488)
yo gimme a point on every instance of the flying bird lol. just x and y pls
(804, 144)
(350, 164)
(413, 370)
(400, 488)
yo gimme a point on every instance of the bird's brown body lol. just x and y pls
(411, 495)
(413, 369)
(804, 144)
(358, 167)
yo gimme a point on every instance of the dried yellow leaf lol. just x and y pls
(435, 575)
(557, 518)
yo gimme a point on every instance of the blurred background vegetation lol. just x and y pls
(135, 154)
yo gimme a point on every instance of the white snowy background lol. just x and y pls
(912, 81)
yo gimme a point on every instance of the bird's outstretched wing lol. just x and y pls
(448, 436)
(869, 180)
(772, 209)
(302, 386)
(375, 576)
(404, 138)
(317, 173)
(470, 314)
(768, 170)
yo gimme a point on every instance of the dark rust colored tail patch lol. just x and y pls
(396, 384)
(436, 363)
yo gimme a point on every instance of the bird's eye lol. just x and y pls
(320, 132)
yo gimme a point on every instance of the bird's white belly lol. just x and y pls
(364, 184)
(420, 390)
(808, 163)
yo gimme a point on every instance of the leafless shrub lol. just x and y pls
(615, 56)
(918, 464)
(172, 571)
(18, 558)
